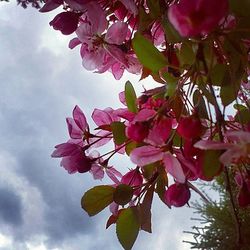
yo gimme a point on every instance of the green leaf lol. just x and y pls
(227, 94)
(148, 54)
(130, 97)
(123, 194)
(161, 183)
(186, 55)
(149, 170)
(240, 9)
(171, 34)
(177, 140)
(239, 106)
(211, 163)
(243, 116)
(97, 198)
(154, 8)
(127, 227)
(145, 20)
(171, 84)
(118, 130)
(200, 104)
(145, 210)
(217, 74)
(130, 146)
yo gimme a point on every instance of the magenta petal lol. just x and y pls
(97, 142)
(133, 178)
(116, 53)
(192, 17)
(74, 131)
(117, 70)
(69, 165)
(104, 117)
(144, 115)
(92, 59)
(74, 42)
(66, 22)
(80, 118)
(65, 149)
(97, 17)
(113, 174)
(146, 155)
(160, 132)
(117, 32)
(125, 114)
(113, 208)
(97, 172)
(130, 6)
(238, 136)
(137, 132)
(177, 195)
(173, 167)
(122, 98)
(213, 145)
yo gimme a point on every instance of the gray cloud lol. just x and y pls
(10, 207)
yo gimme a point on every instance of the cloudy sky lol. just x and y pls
(41, 81)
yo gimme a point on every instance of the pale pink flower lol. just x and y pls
(98, 48)
(197, 17)
(236, 148)
(104, 117)
(77, 125)
(173, 167)
(145, 155)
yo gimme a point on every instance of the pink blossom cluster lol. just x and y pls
(151, 132)
(105, 29)
(175, 134)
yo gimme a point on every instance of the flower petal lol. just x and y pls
(145, 155)
(173, 167)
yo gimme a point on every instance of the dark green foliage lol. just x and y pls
(217, 229)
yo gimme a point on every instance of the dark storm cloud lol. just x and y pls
(10, 207)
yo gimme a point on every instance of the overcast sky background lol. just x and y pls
(41, 81)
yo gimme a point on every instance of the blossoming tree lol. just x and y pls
(175, 134)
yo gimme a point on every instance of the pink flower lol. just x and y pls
(73, 158)
(236, 149)
(189, 127)
(177, 195)
(160, 132)
(197, 17)
(130, 6)
(173, 167)
(104, 117)
(134, 179)
(137, 131)
(145, 155)
(77, 126)
(97, 48)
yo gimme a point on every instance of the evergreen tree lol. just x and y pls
(217, 229)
